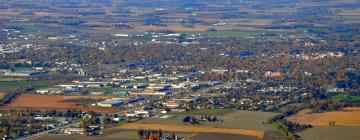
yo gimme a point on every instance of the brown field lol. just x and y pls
(349, 116)
(193, 129)
(53, 102)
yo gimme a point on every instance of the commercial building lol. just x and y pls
(24, 73)
(111, 102)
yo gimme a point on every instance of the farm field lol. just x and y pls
(193, 129)
(232, 33)
(349, 116)
(54, 102)
(235, 124)
(218, 136)
(13, 85)
(331, 133)
(74, 138)
(206, 111)
(131, 135)
(230, 119)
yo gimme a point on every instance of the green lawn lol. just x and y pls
(347, 98)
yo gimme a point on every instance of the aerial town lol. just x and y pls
(164, 70)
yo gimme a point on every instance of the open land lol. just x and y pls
(347, 124)
(349, 116)
(194, 129)
(13, 85)
(53, 102)
(331, 133)
(230, 119)
(233, 124)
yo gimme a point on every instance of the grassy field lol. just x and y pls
(331, 133)
(131, 135)
(193, 129)
(346, 98)
(230, 119)
(219, 136)
(124, 134)
(11, 86)
(235, 124)
(206, 111)
(349, 116)
(232, 33)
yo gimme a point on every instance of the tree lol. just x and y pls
(141, 133)
(186, 119)
(209, 118)
(160, 133)
(214, 119)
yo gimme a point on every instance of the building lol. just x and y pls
(74, 131)
(4, 71)
(60, 90)
(272, 74)
(24, 73)
(172, 104)
(150, 93)
(219, 71)
(111, 102)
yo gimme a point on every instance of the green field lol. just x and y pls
(206, 111)
(249, 120)
(122, 134)
(11, 86)
(346, 98)
(331, 133)
(230, 119)
(233, 33)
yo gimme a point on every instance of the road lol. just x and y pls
(49, 131)
(122, 112)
